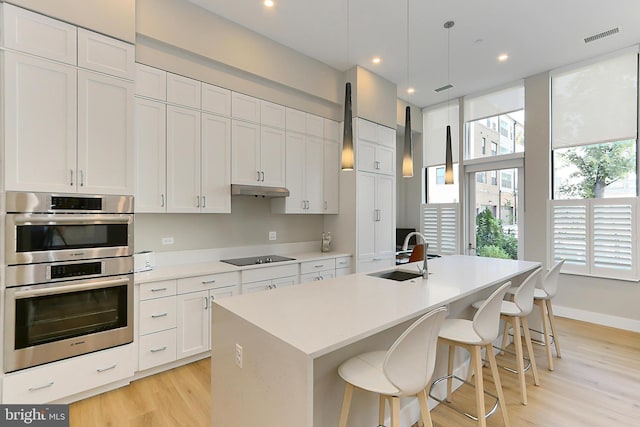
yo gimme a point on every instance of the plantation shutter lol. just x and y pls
(440, 227)
(569, 235)
(613, 237)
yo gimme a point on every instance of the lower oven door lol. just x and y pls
(49, 322)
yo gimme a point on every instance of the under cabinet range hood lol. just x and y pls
(257, 190)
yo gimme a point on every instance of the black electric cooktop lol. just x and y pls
(263, 259)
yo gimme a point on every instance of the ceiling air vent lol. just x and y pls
(602, 35)
(440, 89)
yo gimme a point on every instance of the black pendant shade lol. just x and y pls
(347, 139)
(448, 167)
(407, 158)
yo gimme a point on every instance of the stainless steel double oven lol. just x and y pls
(68, 276)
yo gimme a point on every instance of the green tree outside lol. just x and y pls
(491, 240)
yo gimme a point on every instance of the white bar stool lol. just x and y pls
(516, 312)
(403, 370)
(542, 299)
(474, 335)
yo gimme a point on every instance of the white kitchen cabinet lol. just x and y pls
(314, 125)
(183, 91)
(272, 115)
(105, 55)
(376, 148)
(272, 277)
(215, 166)
(312, 271)
(216, 100)
(157, 349)
(296, 120)
(258, 155)
(343, 266)
(150, 155)
(29, 32)
(375, 220)
(105, 134)
(156, 320)
(272, 157)
(245, 107)
(151, 82)
(183, 160)
(40, 124)
(331, 167)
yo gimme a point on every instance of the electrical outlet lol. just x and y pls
(239, 355)
(272, 235)
(167, 240)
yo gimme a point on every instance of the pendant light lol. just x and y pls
(448, 167)
(347, 137)
(407, 158)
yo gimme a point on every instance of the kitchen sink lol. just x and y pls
(397, 275)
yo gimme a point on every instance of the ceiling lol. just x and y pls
(538, 35)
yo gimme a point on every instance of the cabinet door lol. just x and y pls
(183, 160)
(385, 160)
(150, 155)
(193, 324)
(151, 82)
(331, 177)
(283, 282)
(272, 157)
(183, 91)
(272, 114)
(245, 152)
(366, 214)
(314, 160)
(105, 54)
(263, 285)
(216, 100)
(295, 162)
(366, 156)
(245, 107)
(385, 224)
(40, 122)
(105, 134)
(215, 164)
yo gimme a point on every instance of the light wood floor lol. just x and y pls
(596, 383)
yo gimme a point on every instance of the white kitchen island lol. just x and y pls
(293, 339)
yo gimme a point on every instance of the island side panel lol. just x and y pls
(272, 389)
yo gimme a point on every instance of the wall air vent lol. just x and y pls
(440, 89)
(602, 35)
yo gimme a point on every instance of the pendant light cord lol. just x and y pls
(408, 80)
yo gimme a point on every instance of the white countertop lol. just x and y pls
(320, 317)
(214, 267)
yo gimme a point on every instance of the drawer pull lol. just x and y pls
(107, 368)
(318, 266)
(41, 387)
(155, 316)
(208, 282)
(157, 350)
(158, 289)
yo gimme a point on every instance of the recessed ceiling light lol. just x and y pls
(376, 60)
(268, 3)
(503, 57)
(411, 90)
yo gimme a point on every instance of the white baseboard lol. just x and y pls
(597, 318)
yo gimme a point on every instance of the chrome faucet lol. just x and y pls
(425, 268)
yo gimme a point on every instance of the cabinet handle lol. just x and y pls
(81, 173)
(158, 289)
(71, 182)
(197, 201)
(155, 316)
(262, 176)
(156, 350)
(106, 369)
(204, 201)
(258, 178)
(274, 287)
(325, 205)
(208, 282)
(49, 384)
(213, 298)
(206, 303)
(318, 266)
(162, 200)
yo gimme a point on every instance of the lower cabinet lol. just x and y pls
(265, 278)
(312, 271)
(65, 378)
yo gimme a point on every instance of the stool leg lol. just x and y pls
(498, 384)
(505, 335)
(452, 349)
(346, 404)
(545, 327)
(476, 360)
(383, 400)
(520, 359)
(532, 357)
(424, 409)
(395, 411)
(556, 341)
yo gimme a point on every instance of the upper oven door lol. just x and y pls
(32, 238)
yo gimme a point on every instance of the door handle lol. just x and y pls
(206, 303)
(162, 200)
(81, 173)
(71, 182)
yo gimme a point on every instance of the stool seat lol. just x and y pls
(541, 294)
(508, 308)
(460, 330)
(365, 370)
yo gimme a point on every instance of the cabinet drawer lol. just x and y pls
(157, 315)
(157, 289)
(105, 54)
(216, 100)
(343, 262)
(57, 380)
(157, 349)
(318, 265)
(268, 273)
(211, 281)
(183, 91)
(151, 82)
(39, 35)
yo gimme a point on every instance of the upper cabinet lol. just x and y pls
(66, 127)
(183, 91)
(376, 148)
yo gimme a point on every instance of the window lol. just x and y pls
(440, 175)
(436, 191)
(494, 177)
(481, 177)
(484, 146)
(494, 148)
(506, 180)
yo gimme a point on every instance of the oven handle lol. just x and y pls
(84, 219)
(30, 293)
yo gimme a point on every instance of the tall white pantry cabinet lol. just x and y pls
(68, 107)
